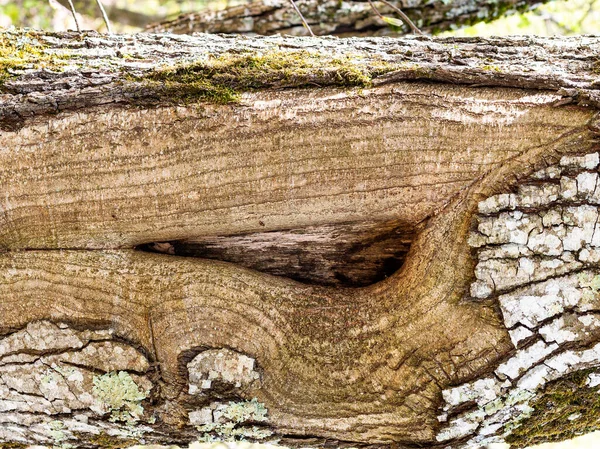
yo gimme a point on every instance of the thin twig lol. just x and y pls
(104, 16)
(302, 18)
(72, 6)
(403, 16)
(375, 9)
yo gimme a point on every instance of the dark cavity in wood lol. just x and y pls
(350, 254)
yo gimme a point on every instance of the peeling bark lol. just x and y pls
(537, 256)
(482, 185)
(332, 17)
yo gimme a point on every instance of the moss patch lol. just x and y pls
(13, 445)
(564, 409)
(223, 78)
(105, 441)
(24, 51)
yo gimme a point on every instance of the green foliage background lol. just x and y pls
(564, 17)
(52, 15)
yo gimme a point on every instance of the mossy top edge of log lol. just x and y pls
(154, 69)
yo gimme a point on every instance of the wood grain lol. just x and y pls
(85, 185)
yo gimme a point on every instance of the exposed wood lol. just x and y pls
(189, 169)
(347, 18)
(351, 254)
(103, 154)
(190, 172)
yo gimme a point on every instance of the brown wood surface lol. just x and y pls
(96, 162)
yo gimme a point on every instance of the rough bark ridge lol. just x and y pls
(112, 143)
(342, 18)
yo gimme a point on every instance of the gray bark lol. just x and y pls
(77, 71)
(348, 18)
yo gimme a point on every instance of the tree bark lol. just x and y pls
(332, 17)
(467, 163)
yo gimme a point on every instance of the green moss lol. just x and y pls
(105, 441)
(564, 409)
(491, 68)
(222, 79)
(13, 445)
(24, 51)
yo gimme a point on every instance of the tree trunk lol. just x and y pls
(437, 199)
(341, 18)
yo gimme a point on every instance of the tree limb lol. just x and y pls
(468, 146)
(331, 17)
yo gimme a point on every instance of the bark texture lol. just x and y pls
(470, 163)
(340, 18)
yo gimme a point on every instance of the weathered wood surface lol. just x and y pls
(101, 154)
(332, 17)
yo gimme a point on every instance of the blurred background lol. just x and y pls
(571, 17)
(127, 16)
(559, 18)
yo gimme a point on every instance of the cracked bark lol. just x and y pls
(438, 157)
(331, 17)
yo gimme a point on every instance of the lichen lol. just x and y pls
(246, 411)
(237, 414)
(23, 51)
(120, 396)
(58, 435)
(538, 253)
(564, 409)
(587, 280)
(223, 78)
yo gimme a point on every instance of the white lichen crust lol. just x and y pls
(52, 388)
(220, 365)
(226, 421)
(233, 421)
(538, 255)
(63, 387)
